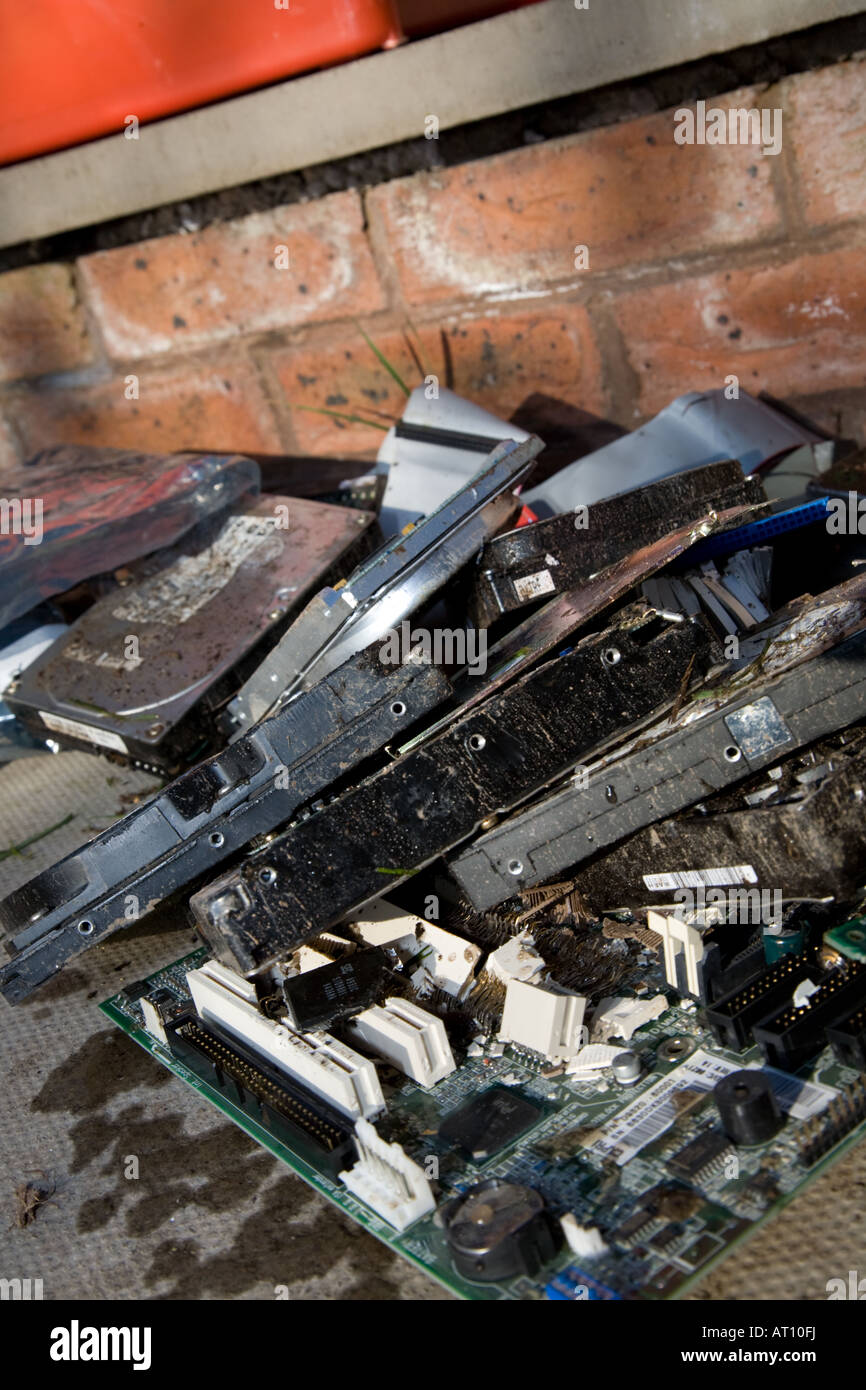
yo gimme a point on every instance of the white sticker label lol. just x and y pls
(655, 1111)
(104, 738)
(533, 585)
(180, 592)
(651, 1114)
(801, 1099)
(701, 878)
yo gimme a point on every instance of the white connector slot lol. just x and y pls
(387, 1180)
(409, 1038)
(316, 1060)
(545, 1020)
(679, 939)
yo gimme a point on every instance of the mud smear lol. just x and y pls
(105, 1066)
(272, 1245)
(216, 1171)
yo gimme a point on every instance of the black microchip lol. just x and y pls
(161, 999)
(489, 1121)
(666, 1238)
(136, 990)
(699, 1153)
(321, 997)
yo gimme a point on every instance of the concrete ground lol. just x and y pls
(211, 1215)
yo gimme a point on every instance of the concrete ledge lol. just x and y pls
(501, 64)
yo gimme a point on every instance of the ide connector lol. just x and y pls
(732, 1018)
(798, 1032)
(315, 1131)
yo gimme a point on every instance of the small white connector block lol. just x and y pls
(324, 1065)
(584, 1241)
(412, 1040)
(387, 1180)
(516, 960)
(678, 938)
(621, 1016)
(308, 958)
(383, 924)
(546, 1020)
(152, 1021)
(591, 1059)
(448, 960)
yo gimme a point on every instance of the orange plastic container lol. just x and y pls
(71, 70)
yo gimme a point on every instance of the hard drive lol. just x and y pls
(145, 669)
(535, 561)
(805, 680)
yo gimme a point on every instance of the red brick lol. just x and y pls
(828, 107)
(42, 327)
(793, 329)
(495, 361)
(181, 292)
(219, 406)
(629, 193)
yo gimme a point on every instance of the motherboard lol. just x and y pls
(625, 1171)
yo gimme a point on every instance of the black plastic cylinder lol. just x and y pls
(748, 1107)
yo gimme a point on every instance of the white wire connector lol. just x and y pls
(387, 1180)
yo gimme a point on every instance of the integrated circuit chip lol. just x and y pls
(702, 1156)
(488, 1122)
(321, 997)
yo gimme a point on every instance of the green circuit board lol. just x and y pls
(611, 1155)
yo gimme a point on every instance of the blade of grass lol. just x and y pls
(416, 348)
(392, 371)
(341, 415)
(19, 848)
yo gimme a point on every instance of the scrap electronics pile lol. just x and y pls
(525, 848)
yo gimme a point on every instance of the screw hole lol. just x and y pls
(611, 655)
(398, 709)
(476, 742)
(85, 928)
(267, 875)
(732, 753)
(216, 839)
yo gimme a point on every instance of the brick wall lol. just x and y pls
(703, 261)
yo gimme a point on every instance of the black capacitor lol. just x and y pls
(498, 1230)
(748, 1107)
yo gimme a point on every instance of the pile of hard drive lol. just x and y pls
(561, 709)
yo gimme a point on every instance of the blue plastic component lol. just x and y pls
(755, 533)
(574, 1285)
